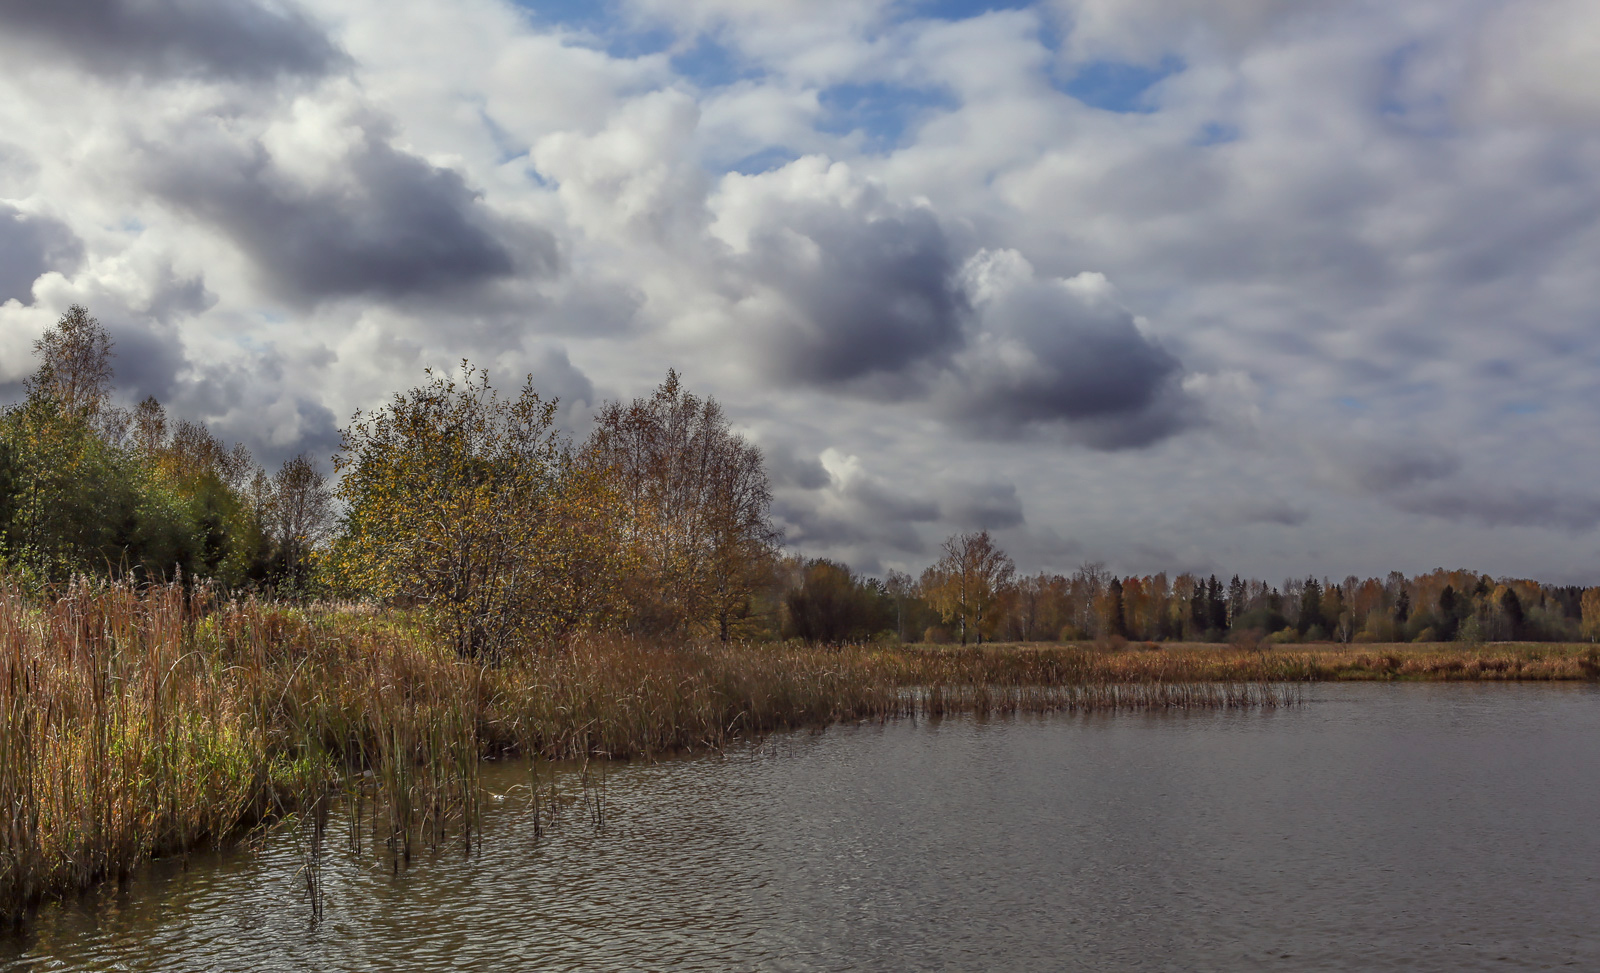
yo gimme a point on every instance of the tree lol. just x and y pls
(831, 605)
(471, 505)
(298, 517)
(901, 588)
(968, 580)
(695, 506)
(74, 364)
(1589, 603)
(1311, 607)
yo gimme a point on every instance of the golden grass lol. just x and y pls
(136, 723)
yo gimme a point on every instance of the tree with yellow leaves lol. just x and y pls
(695, 512)
(969, 581)
(473, 507)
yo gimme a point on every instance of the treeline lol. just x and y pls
(453, 500)
(471, 508)
(828, 601)
(90, 488)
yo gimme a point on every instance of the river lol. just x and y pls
(1374, 827)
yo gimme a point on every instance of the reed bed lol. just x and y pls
(1315, 662)
(142, 722)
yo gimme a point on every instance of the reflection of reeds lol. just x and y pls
(136, 723)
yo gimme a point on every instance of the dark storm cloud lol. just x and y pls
(873, 294)
(1387, 467)
(1507, 507)
(31, 246)
(809, 528)
(1256, 510)
(855, 509)
(1046, 354)
(789, 469)
(984, 506)
(394, 227)
(148, 358)
(233, 39)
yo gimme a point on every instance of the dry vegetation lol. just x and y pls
(140, 722)
(1136, 662)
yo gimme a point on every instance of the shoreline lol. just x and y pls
(137, 724)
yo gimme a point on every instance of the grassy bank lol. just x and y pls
(1145, 662)
(140, 723)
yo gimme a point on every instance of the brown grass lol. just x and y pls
(1138, 662)
(136, 723)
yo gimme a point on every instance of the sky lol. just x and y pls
(1269, 287)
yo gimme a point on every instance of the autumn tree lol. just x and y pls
(1590, 606)
(968, 581)
(472, 506)
(695, 509)
(74, 364)
(297, 514)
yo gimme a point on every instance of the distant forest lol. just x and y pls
(469, 508)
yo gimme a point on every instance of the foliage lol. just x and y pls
(473, 506)
(695, 512)
(832, 606)
(969, 582)
(89, 488)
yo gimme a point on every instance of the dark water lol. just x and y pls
(1414, 827)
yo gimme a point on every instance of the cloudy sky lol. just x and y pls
(1257, 286)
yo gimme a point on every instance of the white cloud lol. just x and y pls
(1340, 235)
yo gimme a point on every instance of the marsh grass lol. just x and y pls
(136, 723)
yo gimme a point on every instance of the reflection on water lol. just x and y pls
(1416, 827)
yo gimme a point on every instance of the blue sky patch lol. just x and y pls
(595, 15)
(883, 112)
(768, 159)
(1216, 133)
(1117, 86)
(960, 9)
(600, 18)
(709, 64)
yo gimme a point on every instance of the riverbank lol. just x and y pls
(1138, 662)
(139, 723)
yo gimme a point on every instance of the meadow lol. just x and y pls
(137, 722)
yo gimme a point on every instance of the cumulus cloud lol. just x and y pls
(1337, 253)
(856, 512)
(845, 289)
(242, 40)
(31, 246)
(844, 285)
(1060, 351)
(375, 220)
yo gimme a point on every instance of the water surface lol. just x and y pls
(1415, 827)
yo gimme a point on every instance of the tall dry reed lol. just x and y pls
(141, 722)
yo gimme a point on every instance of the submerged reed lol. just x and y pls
(143, 722)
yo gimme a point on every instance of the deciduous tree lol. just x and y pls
(968, 581)
(695, 511)
(471, 505)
